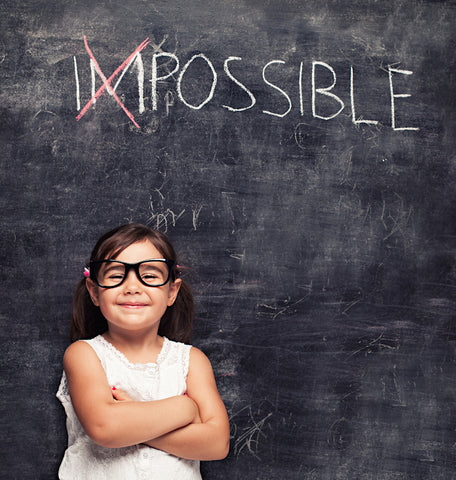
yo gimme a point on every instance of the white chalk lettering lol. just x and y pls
(137, 60)
(352, 101)
(169, 101)
(397, 95)
(78, 93)
(181, 76)
(239, 84)
(278, 89)
(301, 99)
(177, 83)
(324, 91)
(155, 78)
(92, 76)
(140, 75)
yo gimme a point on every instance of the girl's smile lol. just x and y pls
(133, 306)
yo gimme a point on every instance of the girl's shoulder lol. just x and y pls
(78, 356)
(79, 352)
(97, 347)
(199, 363)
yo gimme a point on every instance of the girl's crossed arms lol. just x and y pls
(193, 426)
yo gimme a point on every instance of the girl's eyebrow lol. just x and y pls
(151, 265)
(111, 266)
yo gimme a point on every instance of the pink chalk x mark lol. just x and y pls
(107, 82)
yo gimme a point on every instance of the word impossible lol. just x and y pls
(318, 92)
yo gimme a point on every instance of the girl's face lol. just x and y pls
(133, 306)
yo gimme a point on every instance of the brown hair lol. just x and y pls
(177, 321)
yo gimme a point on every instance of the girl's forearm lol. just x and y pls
(111, 423)
(197, 441)
(121, 424)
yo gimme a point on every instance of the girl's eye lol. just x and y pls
(152, 278)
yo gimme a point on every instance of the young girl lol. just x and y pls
(140, 402)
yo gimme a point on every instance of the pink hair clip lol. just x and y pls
(86, 272)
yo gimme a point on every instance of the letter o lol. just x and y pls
(214, 82)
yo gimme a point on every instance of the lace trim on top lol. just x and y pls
(63, 393)
(139, 366)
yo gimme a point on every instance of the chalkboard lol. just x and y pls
(301, 156)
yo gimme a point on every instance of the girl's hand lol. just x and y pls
(110, 417)
(120, 395)
(197, 418)
(207, 436)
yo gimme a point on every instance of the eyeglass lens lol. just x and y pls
(152, 273)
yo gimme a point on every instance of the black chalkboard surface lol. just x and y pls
(301, 156)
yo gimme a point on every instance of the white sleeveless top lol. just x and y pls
(85, 460)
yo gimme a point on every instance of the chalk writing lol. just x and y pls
(397, 95)
(352, 103)
(278, 89)
(76, 77)
(322, 93)
(155, 78)
(239, 84)
(107, 82)
(213, 85)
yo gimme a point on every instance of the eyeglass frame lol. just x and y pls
(94, 267)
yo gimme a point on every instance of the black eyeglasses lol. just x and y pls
(112, 273)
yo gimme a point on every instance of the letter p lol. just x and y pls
(156, 78)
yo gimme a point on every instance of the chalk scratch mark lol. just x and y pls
(162, 217)
(391, 389)
(227, 196)
(238, 256)
(277, 310)
(338, 434)
(379, 343)
(196, 212)
(399, 220)
(250, 438)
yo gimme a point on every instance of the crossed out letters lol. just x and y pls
(206, 65)
(107, 81)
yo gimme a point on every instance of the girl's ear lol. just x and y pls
(173, 291)
(93, 291)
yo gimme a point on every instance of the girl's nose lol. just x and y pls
(132, 283)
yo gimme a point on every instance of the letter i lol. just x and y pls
(76, 77)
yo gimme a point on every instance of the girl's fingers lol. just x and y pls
(120, 395)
